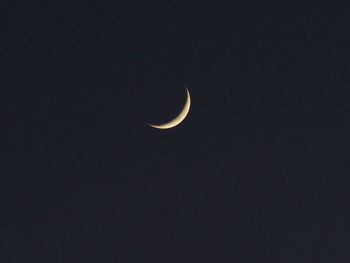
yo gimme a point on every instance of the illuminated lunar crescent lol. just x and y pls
(177, 120)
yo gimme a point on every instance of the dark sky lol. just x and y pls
(258, 172)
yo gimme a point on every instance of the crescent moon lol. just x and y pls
(179, 118)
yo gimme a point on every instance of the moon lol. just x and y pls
(179, 118)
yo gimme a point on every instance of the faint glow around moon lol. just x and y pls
(179, 118)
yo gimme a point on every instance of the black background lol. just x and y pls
(258, 171)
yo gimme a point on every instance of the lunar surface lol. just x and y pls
(179, 118)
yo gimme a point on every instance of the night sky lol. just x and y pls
(258, 171)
